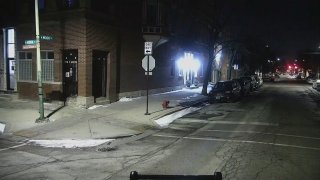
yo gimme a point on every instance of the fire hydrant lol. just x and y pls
(165, 104)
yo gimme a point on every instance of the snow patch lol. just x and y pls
(166, 120)
(2, 126)
(97, 106)
(94, 107)
(70, 143)
(125, 99)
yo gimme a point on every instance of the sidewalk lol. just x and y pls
(109, 121)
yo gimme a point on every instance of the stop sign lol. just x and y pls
(152, 63)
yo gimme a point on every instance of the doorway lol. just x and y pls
(70, 72)
(99, 75)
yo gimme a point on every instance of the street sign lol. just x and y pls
(48, 38)
(147, 48)
(33, 41)
(152, 63)
(29, 46)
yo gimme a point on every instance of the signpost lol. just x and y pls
(148, 64)
(39, 77)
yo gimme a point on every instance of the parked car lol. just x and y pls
(311, 79)
(259, 80)
(266, 77)
(316, 85)
(253, 82)
(225, 91)
(245, 86)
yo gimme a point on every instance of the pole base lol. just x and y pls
(42, 120)
(146, 113)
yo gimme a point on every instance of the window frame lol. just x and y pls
(44, 62)
(27, 61)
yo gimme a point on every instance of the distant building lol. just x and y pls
(91, 50)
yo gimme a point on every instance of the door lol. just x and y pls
(11, 75)
(99, 73)
(70, 72)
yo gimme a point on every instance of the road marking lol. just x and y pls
(233, 122)
(239, 141)
(12, 147)
(256, 132)
(244, 123)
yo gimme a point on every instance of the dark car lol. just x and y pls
(252, 80)
(225, 91)
(245, 86)
(311, 79)
(259, 80)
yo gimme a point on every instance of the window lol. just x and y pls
(41, 4)
(47, 59)
(11, 43)
(70, 4)
(25, 66)
(153, 13)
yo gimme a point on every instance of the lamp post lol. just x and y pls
(39, 74)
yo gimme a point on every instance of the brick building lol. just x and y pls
(91, 50)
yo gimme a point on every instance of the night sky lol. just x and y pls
(288, 26)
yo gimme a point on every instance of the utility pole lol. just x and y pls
(39, 74)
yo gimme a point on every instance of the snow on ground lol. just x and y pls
(94, 107)
(97, 106)
(70, 143)
(125, 99)
(2, 126)
(166, 120)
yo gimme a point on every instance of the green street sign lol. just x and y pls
(30, 42)
(48, 38)
(33, 41)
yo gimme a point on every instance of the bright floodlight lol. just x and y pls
(188, 63)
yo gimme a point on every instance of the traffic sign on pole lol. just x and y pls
(147, 48)
(152, 63)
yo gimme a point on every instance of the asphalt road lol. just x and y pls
(272, 134)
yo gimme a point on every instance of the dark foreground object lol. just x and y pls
(216, 176)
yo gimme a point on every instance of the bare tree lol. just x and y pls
(212, 14)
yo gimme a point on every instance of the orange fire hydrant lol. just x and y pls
(165, 104)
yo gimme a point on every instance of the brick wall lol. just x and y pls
(102, 37)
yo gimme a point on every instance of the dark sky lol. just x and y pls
(288, 26)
